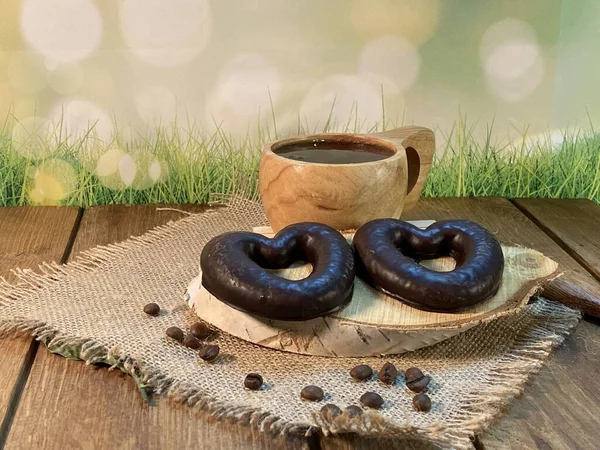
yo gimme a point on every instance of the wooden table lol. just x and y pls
(47, 401)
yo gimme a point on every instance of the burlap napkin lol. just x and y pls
(92, 309)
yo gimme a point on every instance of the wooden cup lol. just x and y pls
(345, 196)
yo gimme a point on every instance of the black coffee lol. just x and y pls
(333, 153)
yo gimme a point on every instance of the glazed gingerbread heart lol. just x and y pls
(388, 251)
(234, 269)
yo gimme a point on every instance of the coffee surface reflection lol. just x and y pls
(333, 153)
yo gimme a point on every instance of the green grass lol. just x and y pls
(200, 164)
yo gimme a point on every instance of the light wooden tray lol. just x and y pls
(373, 323)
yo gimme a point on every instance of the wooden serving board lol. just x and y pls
(374, 324)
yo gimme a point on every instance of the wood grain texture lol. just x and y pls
(573, 222)
(559, 410)
(351, 442)
(32, 235)
(68, 404)
(343, 196)
(28, 237)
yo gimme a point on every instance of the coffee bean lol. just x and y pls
(312, 393)
(419, 385)
(331, 411)
(200, 330)
(412, 374)
(372, 400)
(152, 309)
(361, 372)
(253, 381)
(353, 411)
(208, 352)
(388, 373)
(415, 380)
(192, 341)
(422, 402)
(175, 333)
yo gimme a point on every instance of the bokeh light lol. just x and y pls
(52, 182)
(156, 104)
(127, 169)
(65, 78)
(345, 98)
(118, 169)
(220, 116)
(33, 137)
(245, 83)
(62, 30)
(416, 20)
(391, 62)
(512, 60)
(26, 72)
(155, 171)
(108, 163)
(166, 34)
(79, 116)
(551, 139)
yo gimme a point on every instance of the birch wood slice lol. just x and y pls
(374, 324)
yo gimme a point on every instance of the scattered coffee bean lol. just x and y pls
(175, 333)
(361, 372)
(415, 380)
(353, 411)
(331, 411)
(372, 400)
(388, 373)
(152, 309)
(413, 374)
(419, 385)
(253, 381)
(208, 352)
(200, 330)
(192, 341)
(312, 393)
(422, 402)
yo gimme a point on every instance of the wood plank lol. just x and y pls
(67, 404)
(32, 235)
(28, 237)
(352, 442)
(573, 222)
(559, 409)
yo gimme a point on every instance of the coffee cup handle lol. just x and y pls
(419, 144)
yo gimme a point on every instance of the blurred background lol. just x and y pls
(245, 66)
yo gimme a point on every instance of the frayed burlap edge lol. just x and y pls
(479, 409)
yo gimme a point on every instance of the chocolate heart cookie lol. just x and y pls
(388, 251)
(235, 270)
